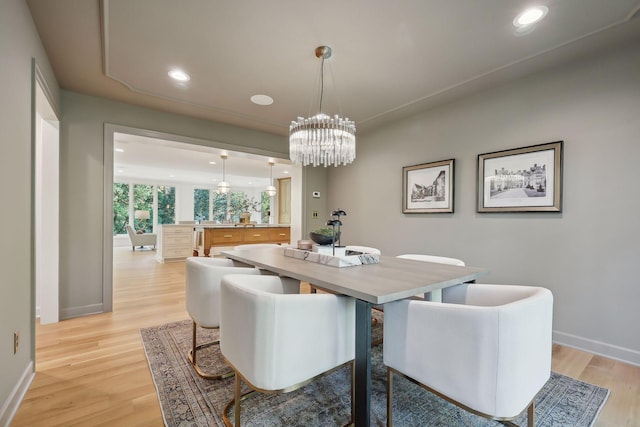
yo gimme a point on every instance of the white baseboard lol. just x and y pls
(11, 405)
(85, 310)
(596, 347)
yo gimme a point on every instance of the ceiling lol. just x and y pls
(390, 59)
(169, 162)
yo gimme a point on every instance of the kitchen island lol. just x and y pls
(179, 241)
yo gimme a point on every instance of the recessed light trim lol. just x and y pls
(179, 75)
(119, 150)
(530, 16)
(262, 99)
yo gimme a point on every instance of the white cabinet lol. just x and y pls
(175, 242)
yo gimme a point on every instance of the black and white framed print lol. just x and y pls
(428, 187)
(527, 179)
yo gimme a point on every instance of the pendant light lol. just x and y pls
(223, 186)
(270, 190)
(322, 139)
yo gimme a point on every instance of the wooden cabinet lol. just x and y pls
(280, 234)
(174, 242)
(177, 242)
(233, 236)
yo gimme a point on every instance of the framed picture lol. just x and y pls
(428, 188)
(527, 179)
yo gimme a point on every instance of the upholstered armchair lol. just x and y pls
(265, 334)
(486, 348)
(145, 239)
(202, 300)
(437, 294)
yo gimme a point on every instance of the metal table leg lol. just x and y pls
(363, 364)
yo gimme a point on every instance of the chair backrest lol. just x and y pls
(433, 258)
(130, 231)
(494, 354)
(202, 287)
(265, 333)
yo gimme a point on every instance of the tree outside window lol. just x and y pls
(143, 201)
(200, 204)
(120, 207)
(219, 207)
(265, 207)
(166, 204)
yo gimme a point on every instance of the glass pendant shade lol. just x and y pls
(270, 190)
(223, 186)
(321, 139)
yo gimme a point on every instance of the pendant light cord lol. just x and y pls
(321, 84)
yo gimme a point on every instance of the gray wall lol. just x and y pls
(19, 43)
(588, 255)
(81, 183)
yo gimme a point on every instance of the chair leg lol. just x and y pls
(134, 248)
(193, 358)
(353, 387)
(236, 405)
(531, 415)
(389, 398)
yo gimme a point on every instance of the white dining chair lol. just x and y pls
(256, 307)
(487, 348)
(437, 294)
(202, 300)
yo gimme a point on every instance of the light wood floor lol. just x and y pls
(92, 371)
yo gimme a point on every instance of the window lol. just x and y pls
(120, 207)
(265, 208)
(166, 204)
(143, 201)
(219, 202)
(200, 204)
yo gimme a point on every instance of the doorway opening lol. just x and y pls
(159, 155)
(46, 172)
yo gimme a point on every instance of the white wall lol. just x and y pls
(588, 255)
(46, 220)
(19, 43)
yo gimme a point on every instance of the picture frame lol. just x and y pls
(428, 187)
(527, 179)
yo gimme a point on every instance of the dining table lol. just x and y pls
(389, 279)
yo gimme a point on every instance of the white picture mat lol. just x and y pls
(426, 177)
(518, 162)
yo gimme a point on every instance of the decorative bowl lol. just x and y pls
(323, 239)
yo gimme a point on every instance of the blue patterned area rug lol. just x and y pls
(188, 400)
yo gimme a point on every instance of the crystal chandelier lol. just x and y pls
(322, 139)
(223, 186)
(271, 190)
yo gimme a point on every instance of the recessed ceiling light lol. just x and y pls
(286, 172)
(172, 176)
(212, 163)
(119, 150)
(179, 75)
(262, 99)
(530, 16)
